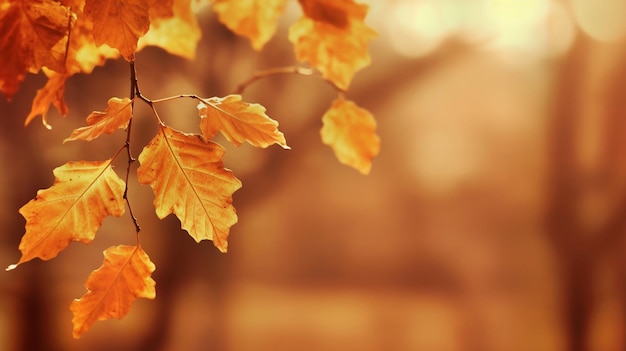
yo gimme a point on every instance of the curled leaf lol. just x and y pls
(116, 116)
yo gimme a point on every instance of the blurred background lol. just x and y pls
(493, 218)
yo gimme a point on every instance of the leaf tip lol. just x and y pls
(11, 267)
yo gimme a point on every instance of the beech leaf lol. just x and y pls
(239, 121)
(119, 23)
(351, 133)
(188, 178)
(83, 194)
(254, 19)
(111, 289)
(50, 94)
(116, 116)
(333, 38)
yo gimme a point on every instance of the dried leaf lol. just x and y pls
(188, 178)
(111, 289)
(73, 209)
(50, 94)
(351, 133)
(253, 19)
(116, 116)
(239, 121)
(333, 38)
(119, 23)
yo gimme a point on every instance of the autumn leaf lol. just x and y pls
(333, 38)
(116, 116)
(239, 121)
(119, 23)
(111, 289)
(177, 34)
(253, 19)
(50, 94)
(73, 209)
(351, 133)
(33, 34)
(188, 178)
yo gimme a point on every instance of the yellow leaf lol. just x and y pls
(111, 289)
(239, 121)
(333, 38)
(253, 19)
(116, 116)
(33, 34)
(73, 209)
(50, 94)
(351, 133)
(119, 23)
(178, 34)
(188, 178)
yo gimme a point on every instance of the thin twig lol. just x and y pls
(133, 90)
(303, 71)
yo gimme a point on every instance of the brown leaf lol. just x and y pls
(111, 289)
(119, 23)
(239, 121)
(333, 38)
(253, 19)
(73, 209)
(116, 116)
(351, 133)
(188, 178)
(50, 94)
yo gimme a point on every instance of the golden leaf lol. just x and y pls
(73, 209)
(351, 133)
(239, 121)
(111, 289)
(116, 116)
(50, 94)
(333, 38)
(188, 178)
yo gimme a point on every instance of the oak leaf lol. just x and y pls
(188, 178)
(351, 132)
(111, 289)
(116, 116)
(239, 121)
(50, 94)
(33, 34)
(119, 23)
(254, 19)
(333, 38)
(72, 209)
(177, 33)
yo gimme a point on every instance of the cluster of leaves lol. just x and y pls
(185, 171)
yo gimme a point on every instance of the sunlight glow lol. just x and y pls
(602, 20)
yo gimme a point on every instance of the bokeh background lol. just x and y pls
(493, 219)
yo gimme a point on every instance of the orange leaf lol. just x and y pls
(50, 94)
(178, 34)
(188, 178)
(116, 116)
(253, 19)
(351, 133)
(71, 210)
(239, 121)
(333, 38)
(33, 34)
(119, 23)
(111, 289)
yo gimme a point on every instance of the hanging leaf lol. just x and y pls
(188, 178)
(116, 116)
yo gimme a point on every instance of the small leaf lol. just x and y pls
(351, 133)
(254, 19)
(239, 121)
(116, 116)
(73, 209)
(111, 289)
(333, 38)
(188, 178)
(119, 23)
(50, 94)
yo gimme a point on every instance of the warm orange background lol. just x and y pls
(493, 218)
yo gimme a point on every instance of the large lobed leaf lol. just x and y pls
(188, 178)
(72, 209)
(239, 121)
(111, 289)
(351, 132)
